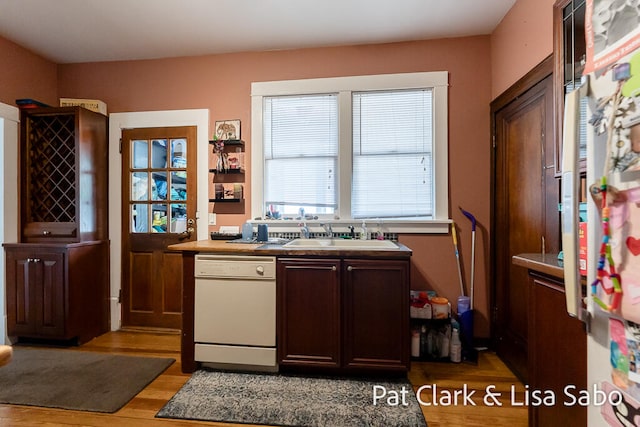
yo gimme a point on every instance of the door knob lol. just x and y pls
(190, 229)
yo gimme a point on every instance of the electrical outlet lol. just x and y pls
(212, 218)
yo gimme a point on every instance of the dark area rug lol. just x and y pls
(71, 379)
(287, 400)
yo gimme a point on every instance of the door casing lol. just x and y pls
(150, 119)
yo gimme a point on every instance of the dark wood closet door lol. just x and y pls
(525, 206)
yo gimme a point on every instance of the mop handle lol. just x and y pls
(454, 235)
(473, 249)
(471, 218)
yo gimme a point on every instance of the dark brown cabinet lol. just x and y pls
(557, 349)
(37, 297)
(57, 276)
(343, 314)
(63, 182)
(57, 291)
(309, 318)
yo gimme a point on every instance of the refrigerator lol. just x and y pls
(609, 99)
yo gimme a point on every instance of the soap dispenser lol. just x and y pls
(363, 232)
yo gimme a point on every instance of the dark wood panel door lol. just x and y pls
(20, 301)
(558, 343)
(526, 217)
(50, 293)
(35, 293)
(308, 318)
(158, 209)
(376, 314)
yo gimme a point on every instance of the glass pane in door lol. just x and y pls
(159, 154)
(139, 186)
(140, 218)
(140, 154)
(178, 186)
(178, 217)
(179, 153)
(159, 218)
(159, 186)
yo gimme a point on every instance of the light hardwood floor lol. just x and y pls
(141, 410)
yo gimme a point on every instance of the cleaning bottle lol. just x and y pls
(456, 346)
(363, 232)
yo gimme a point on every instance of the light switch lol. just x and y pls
(212, 218)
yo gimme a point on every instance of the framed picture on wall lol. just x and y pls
(227, 130)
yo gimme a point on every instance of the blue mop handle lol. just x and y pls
(471, 218)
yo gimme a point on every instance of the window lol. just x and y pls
(300, 154)
(392, 144)
(352, 149)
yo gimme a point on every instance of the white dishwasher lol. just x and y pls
(235, 311)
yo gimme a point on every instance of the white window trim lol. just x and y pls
(344, 86)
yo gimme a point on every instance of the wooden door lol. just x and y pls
(525, 211)
(375, 314)
(158, 209)
(308, 319)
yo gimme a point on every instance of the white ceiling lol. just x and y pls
(71, 31)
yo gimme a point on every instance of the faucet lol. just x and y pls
(328, 230)
(304, 231)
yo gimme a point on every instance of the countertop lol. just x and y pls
(224, 247)
(542, 263)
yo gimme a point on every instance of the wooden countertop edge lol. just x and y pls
(542, 263)
(222, 247)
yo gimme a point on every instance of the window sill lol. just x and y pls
(342, 226)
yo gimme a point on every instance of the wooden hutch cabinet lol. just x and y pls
(58, 274)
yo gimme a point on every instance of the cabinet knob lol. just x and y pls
(349, 268)
(46, 232)
(334, 268)
(260, 270)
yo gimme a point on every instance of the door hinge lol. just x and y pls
(493, 141)
(494, 315)
(120, 147)
(120, 296)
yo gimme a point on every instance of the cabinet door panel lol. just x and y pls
(50, 294)
(20, 314)
(556, 340)
(309, 312)
(376, 314)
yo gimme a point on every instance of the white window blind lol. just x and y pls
(300, 153)
(392, 154)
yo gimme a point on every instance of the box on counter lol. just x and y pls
(90, 104)
(582, 248)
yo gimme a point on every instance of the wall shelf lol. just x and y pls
(225, 200)
(229, 142)
(227, 171)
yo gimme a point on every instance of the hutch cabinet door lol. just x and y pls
(50, 294)
(35, 293)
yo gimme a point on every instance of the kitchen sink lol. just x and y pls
(343, 244)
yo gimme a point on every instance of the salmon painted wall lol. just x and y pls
(222, 83)
(521, 41)
(24, 74)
